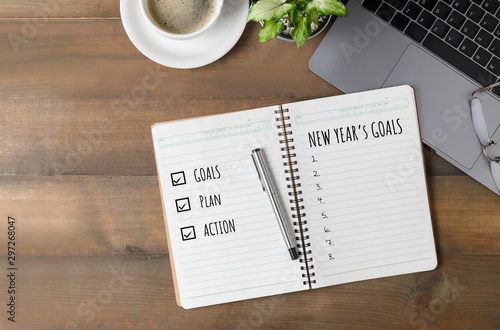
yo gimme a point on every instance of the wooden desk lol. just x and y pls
(79, 177)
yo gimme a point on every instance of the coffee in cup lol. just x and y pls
(182, 18)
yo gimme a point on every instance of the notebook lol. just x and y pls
(349, 173)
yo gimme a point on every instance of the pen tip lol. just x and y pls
(293, 253)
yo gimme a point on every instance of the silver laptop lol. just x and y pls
(445, 49)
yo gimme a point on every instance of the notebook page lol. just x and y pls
(224, 239)
(364, 188)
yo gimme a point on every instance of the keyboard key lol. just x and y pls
(440, 28)
(494, 66)
(448, 1)
(442, 10)
(468, 47)
(398, 4)
(461, 62)
(478, 2)
(483, 38)
(496, 90)
(454, 38)
(475, 13)
(497, 32)
(495, 47)
(412, 10)
(491, 5)
(400, 21)
(386, 12)
(372, 5)
(470, 29)
(427, 4)
(456, 20)
(416, 32)
(426, 19)
(489, 22)
(482, 56)
(461, 5)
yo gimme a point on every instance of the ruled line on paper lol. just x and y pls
(377, 266)
(243, 268)
(223, 278)
(372, 219)
(239, 290)
(382, 244)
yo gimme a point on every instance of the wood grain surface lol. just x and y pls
(77, 173)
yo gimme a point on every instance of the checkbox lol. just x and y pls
(188, 233)
(178, 178)
(183, 204)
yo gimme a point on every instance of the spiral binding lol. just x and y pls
(298, 213)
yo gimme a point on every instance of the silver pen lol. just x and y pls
(267, 185)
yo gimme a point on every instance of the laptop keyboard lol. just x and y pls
(464, 33)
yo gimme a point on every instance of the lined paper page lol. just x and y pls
(363, 179)
(225, 241)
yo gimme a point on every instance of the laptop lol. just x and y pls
(445, 49)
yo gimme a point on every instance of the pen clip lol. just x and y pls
(255, 162)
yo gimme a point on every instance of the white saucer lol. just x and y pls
(185, 54)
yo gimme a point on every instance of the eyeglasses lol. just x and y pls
(482, 133)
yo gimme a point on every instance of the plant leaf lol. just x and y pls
(327, 7)
(314, 16)
(266, 10)
(301, 3)
(302, 27)
(270, 30)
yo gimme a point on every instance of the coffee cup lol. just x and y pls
(181, 19)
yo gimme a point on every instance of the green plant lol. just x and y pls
(301, 14)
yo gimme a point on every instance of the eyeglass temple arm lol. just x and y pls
(487, 88)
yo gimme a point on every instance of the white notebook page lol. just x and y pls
(225, 241)
(363, 183)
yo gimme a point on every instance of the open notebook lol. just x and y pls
(349, 168)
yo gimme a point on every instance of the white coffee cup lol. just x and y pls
(180, 36)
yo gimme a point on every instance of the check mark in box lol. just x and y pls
(178, 178)
(188, 233)
(182, 204)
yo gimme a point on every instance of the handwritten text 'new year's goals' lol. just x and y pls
(338, 135)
